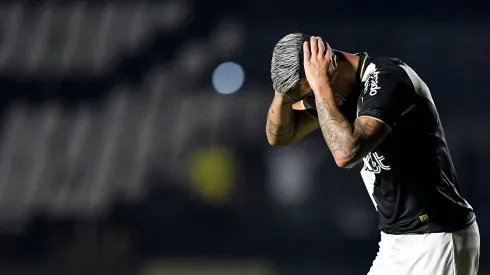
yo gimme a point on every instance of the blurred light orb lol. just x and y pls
(212, 173)
(228, 78)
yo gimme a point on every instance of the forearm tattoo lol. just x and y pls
(279, 130)
(333, 124)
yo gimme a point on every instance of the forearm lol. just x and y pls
(348, 143)
(280, 121)
(337, 131)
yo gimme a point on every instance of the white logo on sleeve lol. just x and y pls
(371, 80)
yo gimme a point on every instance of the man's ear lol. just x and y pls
(304, 86)
(333, 61)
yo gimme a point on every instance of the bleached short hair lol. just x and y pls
(287, 62)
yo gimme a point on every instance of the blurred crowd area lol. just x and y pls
(126, 150)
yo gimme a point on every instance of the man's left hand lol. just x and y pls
(317, 63)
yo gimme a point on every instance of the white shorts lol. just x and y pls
(456, 253)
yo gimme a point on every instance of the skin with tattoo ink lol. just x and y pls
(279, 130)
(348, 143)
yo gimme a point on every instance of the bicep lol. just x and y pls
(369, 132)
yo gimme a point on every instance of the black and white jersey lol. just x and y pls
(410, 176)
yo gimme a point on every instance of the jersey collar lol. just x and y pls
(361, 66)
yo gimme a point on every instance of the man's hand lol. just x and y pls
(318, 63)
(348, 143)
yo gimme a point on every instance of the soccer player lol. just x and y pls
(378, 112)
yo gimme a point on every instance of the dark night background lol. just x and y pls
(119, 156)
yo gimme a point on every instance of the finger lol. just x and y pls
(330, 56)
(321, 47)
(306, 52)
(313, 46)
(328, 52)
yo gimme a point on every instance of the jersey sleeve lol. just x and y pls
(385, 95)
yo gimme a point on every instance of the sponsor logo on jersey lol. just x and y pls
(373, 162)
(371, 84)
(424, 218)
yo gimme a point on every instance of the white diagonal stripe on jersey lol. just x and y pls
(420, 87)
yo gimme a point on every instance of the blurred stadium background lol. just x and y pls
(132, 134)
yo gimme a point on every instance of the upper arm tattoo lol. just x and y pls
(369, 132)
(364, 128)
(347, 141)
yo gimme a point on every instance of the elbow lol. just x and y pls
(343, 163)
(348, 156)
(346, 161)
(279, 141)
(276, 142)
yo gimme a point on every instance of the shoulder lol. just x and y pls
(388, 70)
(382, 64)
(384, 60)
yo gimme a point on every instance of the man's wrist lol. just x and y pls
(285, 99)
(323, 89)
(322, 85)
